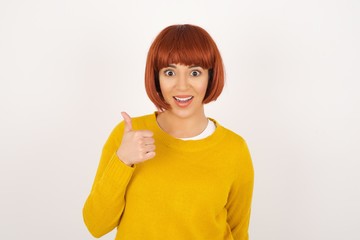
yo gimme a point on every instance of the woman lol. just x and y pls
(197, 183)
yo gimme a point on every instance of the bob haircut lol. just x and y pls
(187, 45)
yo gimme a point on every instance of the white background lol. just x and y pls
(67, 69)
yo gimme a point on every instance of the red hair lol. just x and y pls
(188, 45)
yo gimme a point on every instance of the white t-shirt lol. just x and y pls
(210, 128)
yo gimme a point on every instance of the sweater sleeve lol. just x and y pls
(240, 196)
(105, 203)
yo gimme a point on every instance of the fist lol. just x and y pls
(136, 146)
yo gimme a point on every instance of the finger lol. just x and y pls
(127, 120)
(149, 148)
(146, 133)
(149, 155)
(148, 140)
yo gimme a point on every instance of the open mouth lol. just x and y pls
(183, 99)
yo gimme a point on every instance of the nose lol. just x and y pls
(182, 83)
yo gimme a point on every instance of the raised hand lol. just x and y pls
(136, 146)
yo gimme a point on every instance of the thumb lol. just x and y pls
(127, 120)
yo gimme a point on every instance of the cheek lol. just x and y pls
(203, 84)
(164, 87)
(202, 87)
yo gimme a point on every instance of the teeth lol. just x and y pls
(183, 99)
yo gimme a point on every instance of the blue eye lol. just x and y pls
(195, 73)
(169, 73)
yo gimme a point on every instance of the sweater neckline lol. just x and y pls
(187, 145)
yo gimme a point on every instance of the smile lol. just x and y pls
(183, 99)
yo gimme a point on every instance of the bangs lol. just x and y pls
(186, 46)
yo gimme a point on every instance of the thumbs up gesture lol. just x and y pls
(136, 146)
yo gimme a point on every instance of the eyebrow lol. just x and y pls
(174, 66)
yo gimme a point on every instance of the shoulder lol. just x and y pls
(143, 118)
(234, 137)
(241, 160)
(117, 132)
(143, 122)
(236, 143)
(234, 147)
(231, 138)
(137, 122)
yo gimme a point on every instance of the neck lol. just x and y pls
(179, 127)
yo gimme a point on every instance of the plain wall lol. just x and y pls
(68, 68)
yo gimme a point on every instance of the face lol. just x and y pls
(184, 88)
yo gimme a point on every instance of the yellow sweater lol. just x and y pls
(191, 190)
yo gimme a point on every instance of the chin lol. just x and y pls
(185, 112)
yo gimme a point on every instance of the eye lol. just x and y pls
(169, 73)
(195, 73)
